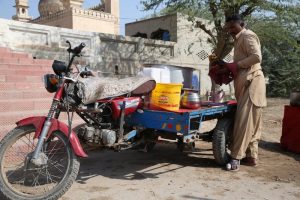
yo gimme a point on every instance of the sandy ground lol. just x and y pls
(167, 174)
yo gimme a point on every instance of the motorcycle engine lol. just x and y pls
(93, 135)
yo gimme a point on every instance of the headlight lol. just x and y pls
(59, 67)
(51, 82)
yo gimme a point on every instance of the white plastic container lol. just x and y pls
(165, 76)
(169, 74)
(152, 72)
(176, 76)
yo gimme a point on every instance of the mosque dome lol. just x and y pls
(48, 7)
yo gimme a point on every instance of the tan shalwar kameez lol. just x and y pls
(250, 92)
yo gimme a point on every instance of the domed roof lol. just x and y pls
(48, 7)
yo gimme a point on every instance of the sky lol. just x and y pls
(130, 10)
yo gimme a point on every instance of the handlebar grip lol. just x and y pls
(77, 50)
(86, 73)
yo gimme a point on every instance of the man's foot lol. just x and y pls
(249, 161)
(233, 165)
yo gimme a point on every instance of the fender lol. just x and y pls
(38, 123)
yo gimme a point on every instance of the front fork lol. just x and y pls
(36, 158)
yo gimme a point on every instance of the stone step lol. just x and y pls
(4, 86)
(25, 72)
(15, 55)
(44, 62)
(7, 56)
(26, 61)
(23, 94)
(11, 105)
(27, 67)
(10, 118)
(11, 78)
(7, 128)
(16, 60)
(4, 50)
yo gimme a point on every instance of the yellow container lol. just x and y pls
(166, 96)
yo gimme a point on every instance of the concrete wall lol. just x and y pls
(191, 48)
(103, 51)
(189, 41)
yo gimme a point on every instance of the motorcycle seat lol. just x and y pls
(92, 89)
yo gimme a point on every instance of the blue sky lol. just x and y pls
(130, 10)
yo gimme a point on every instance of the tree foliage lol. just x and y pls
(275, 21)
(280, 38)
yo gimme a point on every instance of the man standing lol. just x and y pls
(250, 92)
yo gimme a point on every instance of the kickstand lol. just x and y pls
(121, 128)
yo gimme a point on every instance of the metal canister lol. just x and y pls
(190, 99)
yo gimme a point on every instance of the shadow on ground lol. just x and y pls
(136, 165)
(276, 148)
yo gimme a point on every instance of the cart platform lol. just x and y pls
(184, 121)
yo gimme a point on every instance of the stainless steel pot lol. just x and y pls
(190, 99)
(295, 98)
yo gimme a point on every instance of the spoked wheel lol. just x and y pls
(21, 179)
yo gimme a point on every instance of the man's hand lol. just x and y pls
(233, 68)
(223, 73)
(222, 70)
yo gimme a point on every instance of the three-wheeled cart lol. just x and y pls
(184, 125)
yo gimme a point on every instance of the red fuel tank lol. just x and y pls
(132, 104)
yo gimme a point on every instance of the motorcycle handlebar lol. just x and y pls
(77, 50)
(86, 73)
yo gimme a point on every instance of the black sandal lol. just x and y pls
(233, 165)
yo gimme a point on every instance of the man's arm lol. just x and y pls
(252, 46)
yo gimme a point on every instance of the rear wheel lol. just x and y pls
(149, 138)
(20, 179)
(221, 136)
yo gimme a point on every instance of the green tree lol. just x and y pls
(280, 39)
(275, 21)
(217, 10)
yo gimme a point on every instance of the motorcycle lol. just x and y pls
(39, 159)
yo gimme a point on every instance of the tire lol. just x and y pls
(53, 179)
(150, 139)
(148, 146)
(221, 140)
(180, 144)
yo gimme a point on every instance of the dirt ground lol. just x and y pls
(168, 174)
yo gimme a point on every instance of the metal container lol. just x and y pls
(218, 96)
(295, 98)
(190, 99)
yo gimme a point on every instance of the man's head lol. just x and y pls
(234, 24)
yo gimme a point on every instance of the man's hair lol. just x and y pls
(235, 18)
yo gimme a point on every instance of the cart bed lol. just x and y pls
(184, 121)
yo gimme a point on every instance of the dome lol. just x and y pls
(48, 7)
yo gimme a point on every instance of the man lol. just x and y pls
(250, 92)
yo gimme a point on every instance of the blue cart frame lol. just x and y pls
(185, 123)
(183, 127)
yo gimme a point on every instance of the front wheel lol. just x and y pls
(20, 179)
(221, 138)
